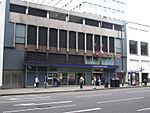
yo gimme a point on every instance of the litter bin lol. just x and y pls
(114, 82)
(106, 84)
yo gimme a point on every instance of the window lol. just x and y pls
(111, 44)
(107, 25)
(107, 61)
(104, 43)
(144, 48)
(20, 33)
(32, 34)
(42, 36)
(133, 47)
(17, 8)
(118, 45)
(89, 42)
(37, 12)
(81, 41)
(72, 39)
(53, 37)
(63, 39)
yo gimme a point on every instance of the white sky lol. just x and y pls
(138, 11)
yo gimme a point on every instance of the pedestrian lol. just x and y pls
(45, 81)
(37, 81)
(81, 82)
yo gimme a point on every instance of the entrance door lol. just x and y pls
(51, 77)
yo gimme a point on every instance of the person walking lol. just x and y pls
(81, 81)
(45, 82)
(37, 81)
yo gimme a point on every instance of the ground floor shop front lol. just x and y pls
(69, 75)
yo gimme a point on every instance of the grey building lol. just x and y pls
(43, 40)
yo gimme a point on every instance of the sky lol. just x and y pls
(138, 11)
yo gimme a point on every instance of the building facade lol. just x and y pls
(138, 60)
(43, 40)
(114, 9)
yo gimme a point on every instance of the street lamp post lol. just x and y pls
(26, 73)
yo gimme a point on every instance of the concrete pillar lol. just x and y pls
(14, 38)
(67, 41)
(76, 41)
(26, 36)
(48, 38)
(37, 38)
(85, 43)
(58, 40)
(2, 28)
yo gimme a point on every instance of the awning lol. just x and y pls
(39, 63)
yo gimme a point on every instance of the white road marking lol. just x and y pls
(34, 104)
(144, 109)
(127, 99)
(4, 102)
(38, 109)
(138, 91)
(84, 110)
(81, 96)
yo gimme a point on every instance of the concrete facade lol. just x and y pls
(39, 55)
(138, 64)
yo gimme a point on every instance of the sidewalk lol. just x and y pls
(24, 91)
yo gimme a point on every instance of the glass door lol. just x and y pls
(51, 77)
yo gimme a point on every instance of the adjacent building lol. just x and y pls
(138, 59)
(43, 40)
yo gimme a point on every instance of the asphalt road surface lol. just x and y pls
(129, 100)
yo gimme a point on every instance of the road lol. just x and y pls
(128, 100)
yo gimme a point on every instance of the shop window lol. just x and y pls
(144, 48)
(20, 33)
(107, 61)
(133, 47)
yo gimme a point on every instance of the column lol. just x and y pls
(67, 41)
(14, 38)
(48, 38)
(37, 38)
(85, 42)
(58, 40)
(115, 45)
(94, 44)
(108, 45)
(26, 40)
(47, 14)
(2, 29)
(83, 21)
(76, 41)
